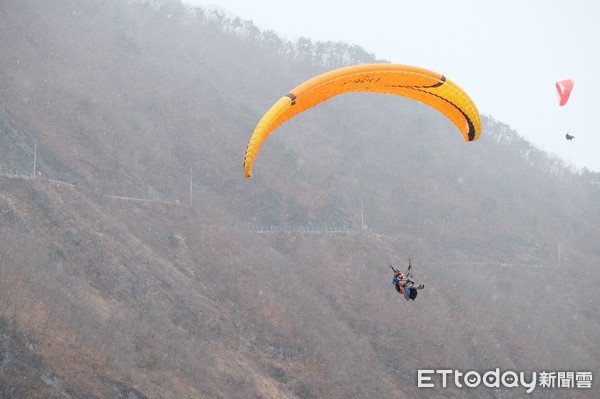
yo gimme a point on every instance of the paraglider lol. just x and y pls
(563, 93)
(417, 83)
(404, 284)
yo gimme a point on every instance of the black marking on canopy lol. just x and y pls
(441, 82)
(293, 97)
(471, 132)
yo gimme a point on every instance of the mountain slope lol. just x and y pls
(126, 282)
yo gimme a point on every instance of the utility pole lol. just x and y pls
(191, 186)
(362, 215)
(34, 156)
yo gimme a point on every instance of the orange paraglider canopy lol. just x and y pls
(420, 84)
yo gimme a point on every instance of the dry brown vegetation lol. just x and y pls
(106, 296)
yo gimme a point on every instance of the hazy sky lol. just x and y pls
(506, 54)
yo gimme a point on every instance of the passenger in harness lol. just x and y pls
(404, 284)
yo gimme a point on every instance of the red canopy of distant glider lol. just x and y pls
(563, 90)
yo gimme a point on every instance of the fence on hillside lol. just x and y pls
(296, 228)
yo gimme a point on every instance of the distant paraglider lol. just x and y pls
(428, 87)
(563, 93)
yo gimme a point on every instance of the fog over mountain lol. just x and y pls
(137, 262)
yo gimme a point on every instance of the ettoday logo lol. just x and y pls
(508, 379)
(472, 379)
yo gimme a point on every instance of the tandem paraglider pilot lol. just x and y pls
(404, 284)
